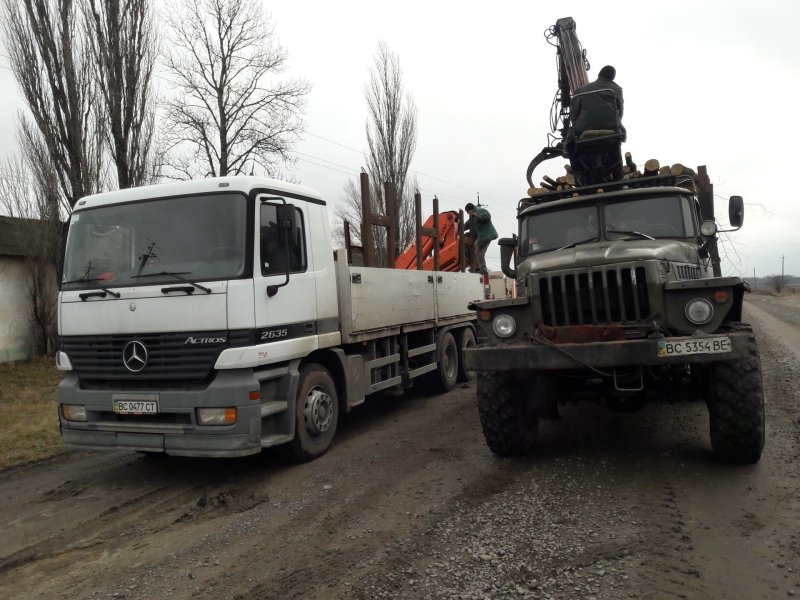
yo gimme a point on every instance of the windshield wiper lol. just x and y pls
(176, 276)
(638, 234)
(105, 289)
(81, 280)
(573, 244)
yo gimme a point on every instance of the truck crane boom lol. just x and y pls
(572, 68)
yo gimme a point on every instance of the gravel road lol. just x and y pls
(409, 503)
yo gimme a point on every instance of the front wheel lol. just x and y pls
(316, 415)
(509, 417)
(736, 407)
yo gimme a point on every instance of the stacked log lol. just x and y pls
(535, 191)
(652, 167)
(629, 162)
(679, 169)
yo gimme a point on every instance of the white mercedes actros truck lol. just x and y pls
(214, 318)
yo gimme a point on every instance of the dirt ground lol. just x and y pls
(409, 503)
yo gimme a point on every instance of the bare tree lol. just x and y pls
(123, 47)
(392, 139)
(51, 62)
(776, 283)
(33, 198)
(229, 113)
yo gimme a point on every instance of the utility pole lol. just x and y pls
(783, 257)
(755, 281)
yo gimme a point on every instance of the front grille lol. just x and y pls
(688, 272)
(98, 359)
(594, 296)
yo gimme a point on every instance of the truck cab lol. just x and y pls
(163, 311)
(618, 301)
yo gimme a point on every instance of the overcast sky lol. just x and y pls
(705, 83)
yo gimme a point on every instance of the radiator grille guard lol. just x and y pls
(597, 296)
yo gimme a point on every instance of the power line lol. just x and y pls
(356, 171)
(334, 142)
(415, 171)
(325, 166)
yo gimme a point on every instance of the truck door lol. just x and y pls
(286, 311)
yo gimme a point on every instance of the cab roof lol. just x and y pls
(243, 184)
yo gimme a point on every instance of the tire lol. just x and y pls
(510, 419)
(736, 406)
(466, 339)
(443, 378)
(316, 415)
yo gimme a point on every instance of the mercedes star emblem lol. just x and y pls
(134, 356)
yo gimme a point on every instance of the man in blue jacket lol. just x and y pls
(484, 233)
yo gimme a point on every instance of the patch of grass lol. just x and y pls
(28, 411)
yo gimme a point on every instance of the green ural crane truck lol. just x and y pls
(620, 298)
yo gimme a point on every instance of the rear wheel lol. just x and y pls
(736, 406)
(316, 415)
(443, 378)
(466, 339)
(509, 418)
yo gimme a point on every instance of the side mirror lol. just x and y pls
(507, 248)
(736, 211)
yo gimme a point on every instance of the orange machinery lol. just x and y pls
(448, 241)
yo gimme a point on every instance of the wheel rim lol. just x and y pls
(318, 411)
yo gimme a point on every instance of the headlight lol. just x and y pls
(504, 326)
(74, 412)
(216, 416)
(708, 228)
(699, 311)
(62, 361)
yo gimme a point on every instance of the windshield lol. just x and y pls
(662, 217)
(542, 232)
(640, 218)
(196, 237)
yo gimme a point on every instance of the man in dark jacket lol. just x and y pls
(596, 110)
(484, 233)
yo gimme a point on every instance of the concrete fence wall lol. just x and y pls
(16, 331)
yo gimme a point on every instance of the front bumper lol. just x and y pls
(175, 429)
(538, 356)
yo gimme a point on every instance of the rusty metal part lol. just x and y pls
(581, 334)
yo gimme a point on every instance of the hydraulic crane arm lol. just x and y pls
(572, 68)
(448, 242)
